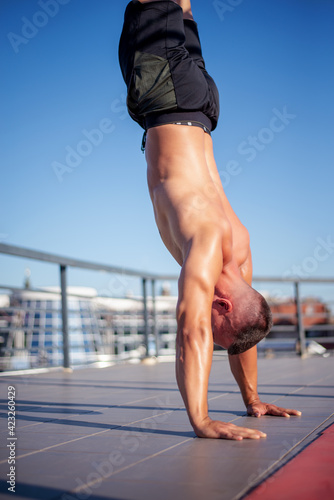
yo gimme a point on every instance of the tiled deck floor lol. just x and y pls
(122, 432)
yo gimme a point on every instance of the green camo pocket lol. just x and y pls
(151, 88)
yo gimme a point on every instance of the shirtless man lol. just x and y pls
(173, 98)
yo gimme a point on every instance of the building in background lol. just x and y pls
(100, 328)
(317, 320)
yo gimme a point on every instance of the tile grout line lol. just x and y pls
(288, 394)
(300, 388)
(34, 452)
(91, 411)
(222, 395)
(98, 480)
(274, 378)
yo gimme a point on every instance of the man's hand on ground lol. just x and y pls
(257, 409)
(215, 429)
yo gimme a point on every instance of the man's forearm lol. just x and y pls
(193, 365)
(244, 369)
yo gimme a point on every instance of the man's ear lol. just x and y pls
(225, 304)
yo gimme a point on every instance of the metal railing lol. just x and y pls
(64, 263)
(149, 313)
(296, 321)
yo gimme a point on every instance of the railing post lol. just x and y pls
(154, 317)
(146, 328)
(64, 315)
(299, 314)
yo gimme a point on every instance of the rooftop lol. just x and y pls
(121, 432)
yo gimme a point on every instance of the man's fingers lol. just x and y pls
(223, 430)
(294, 412)
(240, 433)
(278, 412)
(267, 409)
(282, 412)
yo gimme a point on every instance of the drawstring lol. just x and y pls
(143, 142)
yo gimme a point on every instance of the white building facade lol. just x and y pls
(100, 328)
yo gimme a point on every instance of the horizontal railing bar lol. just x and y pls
(71, 262)
(287, 328)
(327, 326)
(321, 339)
(280, 315)
(292, 279)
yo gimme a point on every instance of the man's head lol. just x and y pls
(240, 319)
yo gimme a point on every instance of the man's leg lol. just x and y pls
(184, 4)
(186, 7)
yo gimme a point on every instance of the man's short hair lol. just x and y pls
(257, 327)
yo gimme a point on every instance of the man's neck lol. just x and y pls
(229, 277)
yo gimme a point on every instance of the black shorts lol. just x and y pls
(161, 61)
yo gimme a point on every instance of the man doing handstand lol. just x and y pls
(171, 95)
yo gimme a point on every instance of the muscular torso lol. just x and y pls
(186, 192)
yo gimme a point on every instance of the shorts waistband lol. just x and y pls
(155, 119)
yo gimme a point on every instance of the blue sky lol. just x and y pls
(273, 65)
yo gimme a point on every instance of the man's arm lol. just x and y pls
(244, 369)
(196, 231)
(193, 364)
